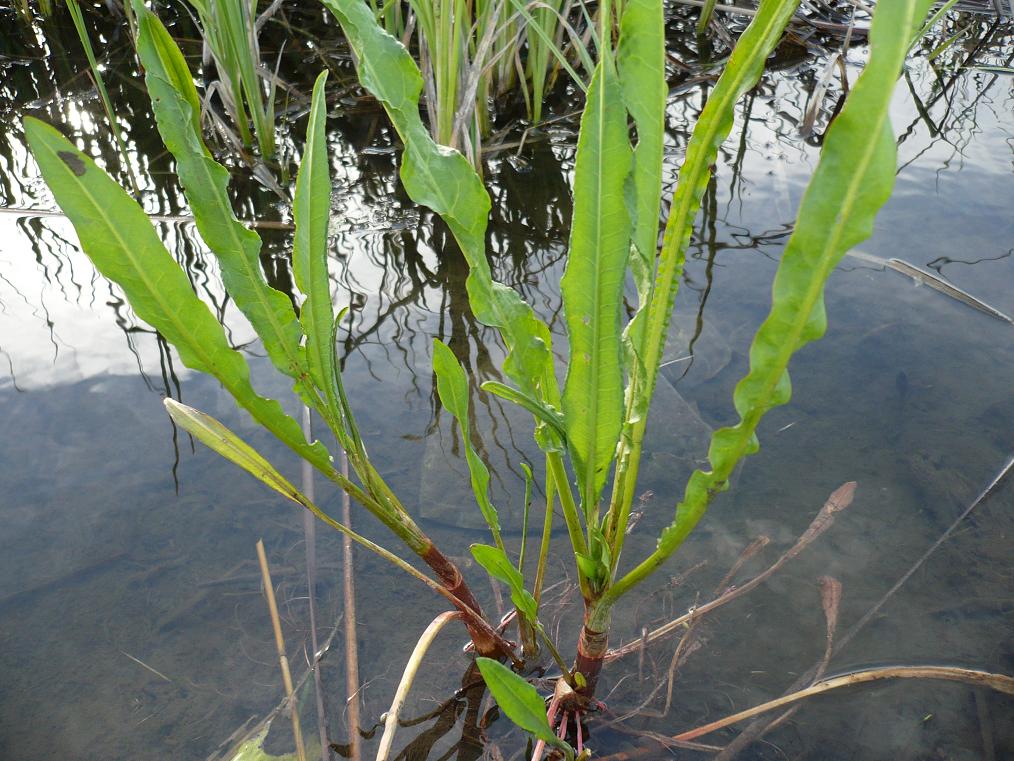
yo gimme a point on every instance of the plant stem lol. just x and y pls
(570, 513)
(351, 640)
(547, 528)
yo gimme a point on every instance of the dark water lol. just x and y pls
(131, 619)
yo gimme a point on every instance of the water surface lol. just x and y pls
(131, 620)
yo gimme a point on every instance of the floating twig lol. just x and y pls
(937, 283)
(141, 663)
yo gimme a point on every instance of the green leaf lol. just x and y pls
(205, 183)
(741, 74)
(117, 236)
(499, 566)
(518, 700)
(592, 284)
(647, 334)
(853, 180)
(444, 181)
(311, 210)
(220, 439)
(452, 386)
(539, 410)
(640, 62)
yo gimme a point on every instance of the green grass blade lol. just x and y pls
(100, 84)
(117, 236)
(205, 182)
(536, 28)
(592, 284)
(852, 182)
(452, 386)
(444, 181)
(311, 209)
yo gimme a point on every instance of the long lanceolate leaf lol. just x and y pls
(852, 182)
(592, 284)
(226, 443)
(742, 72)
(443, 180)
(640, 62)
(311, 210)
(205, 182)
(118, 237)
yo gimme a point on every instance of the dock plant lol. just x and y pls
(591, 427)
(595, 423)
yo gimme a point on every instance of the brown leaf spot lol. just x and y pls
(77, 166)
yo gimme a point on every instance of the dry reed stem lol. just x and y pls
(407, 677)
(310, 542)
(840, 499)
(283, 660)
(351, 643)
(998, 682)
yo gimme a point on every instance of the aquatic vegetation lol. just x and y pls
(230, 29)
(600, 417)
(119, 238)
(593, 426)
(470, 53)
(100, 84)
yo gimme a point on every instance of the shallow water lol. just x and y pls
(131, 622)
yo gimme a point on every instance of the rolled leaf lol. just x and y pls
(220, 439)
(311, 209)
(640, 62)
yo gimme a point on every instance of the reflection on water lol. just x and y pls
(131, 622)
